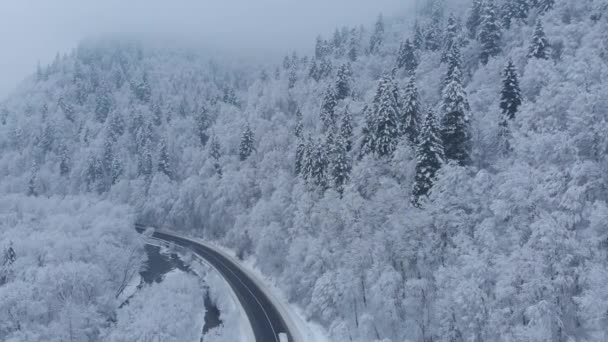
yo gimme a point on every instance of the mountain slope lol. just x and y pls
(508, 245)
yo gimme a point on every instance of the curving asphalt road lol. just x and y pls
(266, 321)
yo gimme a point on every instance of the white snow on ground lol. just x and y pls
(172, 310)
(130, 289)
(235, 323)
(301, 329)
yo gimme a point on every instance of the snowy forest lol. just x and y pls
(438, 175)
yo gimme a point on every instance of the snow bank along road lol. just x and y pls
(265, 319)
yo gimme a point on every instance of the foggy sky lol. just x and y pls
(35, 30)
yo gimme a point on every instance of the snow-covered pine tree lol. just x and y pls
(202, 124)
(293, 77)
(216, 154)
(489, 33)
(157, 111)
(455, 125)
(346, 129)
(510, 97)
(539, 47)
(108, 152)
(386, 109)
(320, 49)
(407, 59)
(475, 17)
(454, 64)
(381, 130)
(514, 10)
(247, 143)
(116, 170)
(410, 114)
(103, 103)
(313, 70)
(509, 104)
(418, 40)
(142, 90)
(306, 169)
(144, 161)
(451, 37)
(65, 160)
(338, 43)
(299, 126)
(164, 162)
(319, 165)
(295, 61)
(544, 5)
(340, 164)
(94, 176)
(432, 37)
(32, 184)
(343, 81)
(328, 109)
(325, 68)
(300, 156)
(378, 36)
(353, 47)
(116, 126)
(429, 158)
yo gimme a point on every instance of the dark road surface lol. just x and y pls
(266, 321)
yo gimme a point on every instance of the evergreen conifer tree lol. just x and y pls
(116, 170)
(299, 127)
(346, 129)
(514, 10)
(511, 94)
(539, 47)
(32, 184)
(407, 59)
(410, 114)
(418, 40)
(385, 113)
(378, 36)
(292, 78)
(432, 37)
(544, 5)
(216, 154)
(103, 104)
(429, 158)
(451, 38)
(454, 64)
(306, 169)
(319, 165)
(164, 163)
(489, 33)
(340, 164)
(343, 82)
(247, 143)
(328, 109)
(455, 130)
(65, 160)
(353, 48)
(475, 17)
(313, 70)
(300, 155)
(143, 91)
(202, 124)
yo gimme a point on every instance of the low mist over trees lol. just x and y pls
(433, 176)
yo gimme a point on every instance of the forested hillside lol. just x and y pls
(439, 175)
